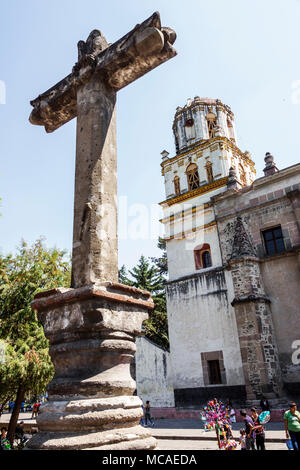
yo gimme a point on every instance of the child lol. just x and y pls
(243, 439)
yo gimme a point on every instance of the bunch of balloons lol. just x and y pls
(215, 413)
(216, 416)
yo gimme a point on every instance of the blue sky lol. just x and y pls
(244, 52)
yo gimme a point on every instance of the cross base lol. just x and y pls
(92, 333)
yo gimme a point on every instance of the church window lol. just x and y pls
(193, 176)
(243, 180)
(177, 185)
(214, 372)
(206, 259)
(202, 256)
(273, 239)
(211, 124)
(209, 172)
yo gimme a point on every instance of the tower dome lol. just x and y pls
(202, 119)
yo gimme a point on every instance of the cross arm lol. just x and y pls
(139, 51)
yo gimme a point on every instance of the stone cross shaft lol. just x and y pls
(89, 93)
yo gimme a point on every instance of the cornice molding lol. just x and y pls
(181, 214)
(196, 192)
(182, 235)
(207, 144)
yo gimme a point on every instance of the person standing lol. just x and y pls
(4, 443)
(34, 411)
(250, 433)
(292, 425)
(259, 430)
(231, 411)
(19, 433)
(148, 414)
(264, 404)
(242, 439)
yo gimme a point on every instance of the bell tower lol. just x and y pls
(202, 119)
(204, 339)
(206, 149)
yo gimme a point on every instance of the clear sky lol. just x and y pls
(244, 52)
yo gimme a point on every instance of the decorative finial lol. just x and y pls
(270, 167)
(242, 244)
(165, 155)
(233, 182)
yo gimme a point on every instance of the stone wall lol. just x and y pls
(282, 280)
(269, 202)
(201, 320)
(154, 375)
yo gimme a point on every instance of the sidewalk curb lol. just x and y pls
(206, 438)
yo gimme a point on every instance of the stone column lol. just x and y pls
(92, 333)
(95, 203)
(254, 320)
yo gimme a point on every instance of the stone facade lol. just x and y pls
(233, 315)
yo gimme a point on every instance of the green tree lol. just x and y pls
(161, 262)
(123, 279)
(146, 275)
(27, 367)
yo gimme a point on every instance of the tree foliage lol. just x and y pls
(27, 366)
(162, 262)
(149, 275)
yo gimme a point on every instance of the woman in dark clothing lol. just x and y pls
(259, 430)
(264, 404)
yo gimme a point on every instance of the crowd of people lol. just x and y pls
(216, 416)
(252, 436)
(26, 407)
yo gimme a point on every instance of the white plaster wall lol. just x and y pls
(202, 320)
(154, 376)
(181, 253)
(176, 210)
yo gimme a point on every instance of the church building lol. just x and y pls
(233, 247)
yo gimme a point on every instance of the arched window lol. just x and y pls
(243, 179)
(202, 256)
(206, 259)
(177, 185)
(209, 172)
(193, 176)
(211, 124)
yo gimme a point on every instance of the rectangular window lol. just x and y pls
(214, 372)
(273, 241)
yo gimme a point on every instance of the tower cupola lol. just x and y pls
(202, 119)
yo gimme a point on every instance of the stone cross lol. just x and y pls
(89, 93)
(92, 326)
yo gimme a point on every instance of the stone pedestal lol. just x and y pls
(92, 333)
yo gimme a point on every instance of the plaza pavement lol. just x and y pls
(186, 434)
(189, 434)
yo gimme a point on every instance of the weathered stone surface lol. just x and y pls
(141, 50)
(254, 323)
(133, 438)
(92, 327)
(242, 245)
(95, 203)
(92, 334)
